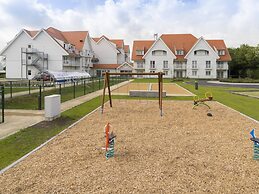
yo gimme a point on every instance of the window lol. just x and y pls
(152, 71)
(194, 64)
(140, 52)
(140, 64)
(165, 64)
(201, 52)
(159, 53)
(208, 73)
(179, 52)
(65, 59)
(208, 64)
(194, 73)
(152, 64)
(220, 64)
(221, 52)
(29, 57)
(29, 45)
(166, 72)
(29, 72)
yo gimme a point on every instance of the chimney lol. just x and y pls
(155, 36)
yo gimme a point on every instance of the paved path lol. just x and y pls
(227, 84)
(16, 120)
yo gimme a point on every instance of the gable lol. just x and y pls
(199, 46)
(159, 45)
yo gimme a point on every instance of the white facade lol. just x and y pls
(31, 52)
(201, 61)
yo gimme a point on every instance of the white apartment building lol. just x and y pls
(182, 55)
(31, 52)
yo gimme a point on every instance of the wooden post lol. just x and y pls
(104, 88)
(109, 89)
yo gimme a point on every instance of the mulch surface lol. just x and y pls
(184, 151)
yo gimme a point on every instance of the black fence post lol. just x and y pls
(39, 99)
(11, 89)
(84, 88)
(60, 89)
(43, 84)
(74, 88)
(29, 87)
(2, 98)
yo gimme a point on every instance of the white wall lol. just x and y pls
(201, 61)
(42, 43)
(159, 45)
(105, 52)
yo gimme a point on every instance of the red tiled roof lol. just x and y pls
(220, 45)
(179, 42)
(118, 42)
(106, 66)
(75, 38)
(140, 45)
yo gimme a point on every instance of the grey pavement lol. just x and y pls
(17, 119)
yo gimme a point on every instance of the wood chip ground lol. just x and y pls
(184, 151)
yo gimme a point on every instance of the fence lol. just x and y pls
(1, 104)
(30, 94)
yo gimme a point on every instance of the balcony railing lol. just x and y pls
(179, 66)
(222, 67)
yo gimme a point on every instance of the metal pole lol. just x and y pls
(60, 89)
(29, 87)
(99, 83)
(11, 89)
(2, 103)
(84, 88)
(74, 89)
(92, 84)
(39, 99)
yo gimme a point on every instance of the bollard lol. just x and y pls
(196, 85)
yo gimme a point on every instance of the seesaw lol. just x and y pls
(197, 101)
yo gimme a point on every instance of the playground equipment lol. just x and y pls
(256, 144)
(109, 141)
(107, 85)
(197, 101)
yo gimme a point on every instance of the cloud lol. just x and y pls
(233, 20)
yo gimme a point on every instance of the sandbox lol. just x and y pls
(171, 89)
(184, 151)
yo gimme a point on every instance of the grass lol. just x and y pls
(247, 105)
(17, 145)
(31, 101)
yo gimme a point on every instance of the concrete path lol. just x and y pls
(17, 119)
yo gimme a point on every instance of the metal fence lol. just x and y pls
(1, 104)
(30, 94)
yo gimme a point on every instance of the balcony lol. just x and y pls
(180, 66)
(86, 53)
(138, 66)
(70, 64)
(222, 67)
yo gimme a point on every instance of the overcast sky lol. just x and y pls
(235, 21)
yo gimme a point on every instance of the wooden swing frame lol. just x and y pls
(107, 85)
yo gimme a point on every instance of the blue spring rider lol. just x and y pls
(256, 144)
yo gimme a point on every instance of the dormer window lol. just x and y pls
(29, 45)
(159, 53)
(221, 52)
(81, 40)
(179, 52)
(201, 52)
(140, 52)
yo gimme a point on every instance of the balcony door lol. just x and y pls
(179, 74)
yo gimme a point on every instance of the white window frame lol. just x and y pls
(152, 64)
(194, 64)
(179, 52)
(208, 73)
(139, 52)
(208, 64)
(221, 52)
(165, 65)
(194, 72)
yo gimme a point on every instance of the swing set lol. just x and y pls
(107, 85)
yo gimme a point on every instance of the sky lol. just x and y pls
(235, 21)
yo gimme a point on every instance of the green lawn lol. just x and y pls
(17, 145)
